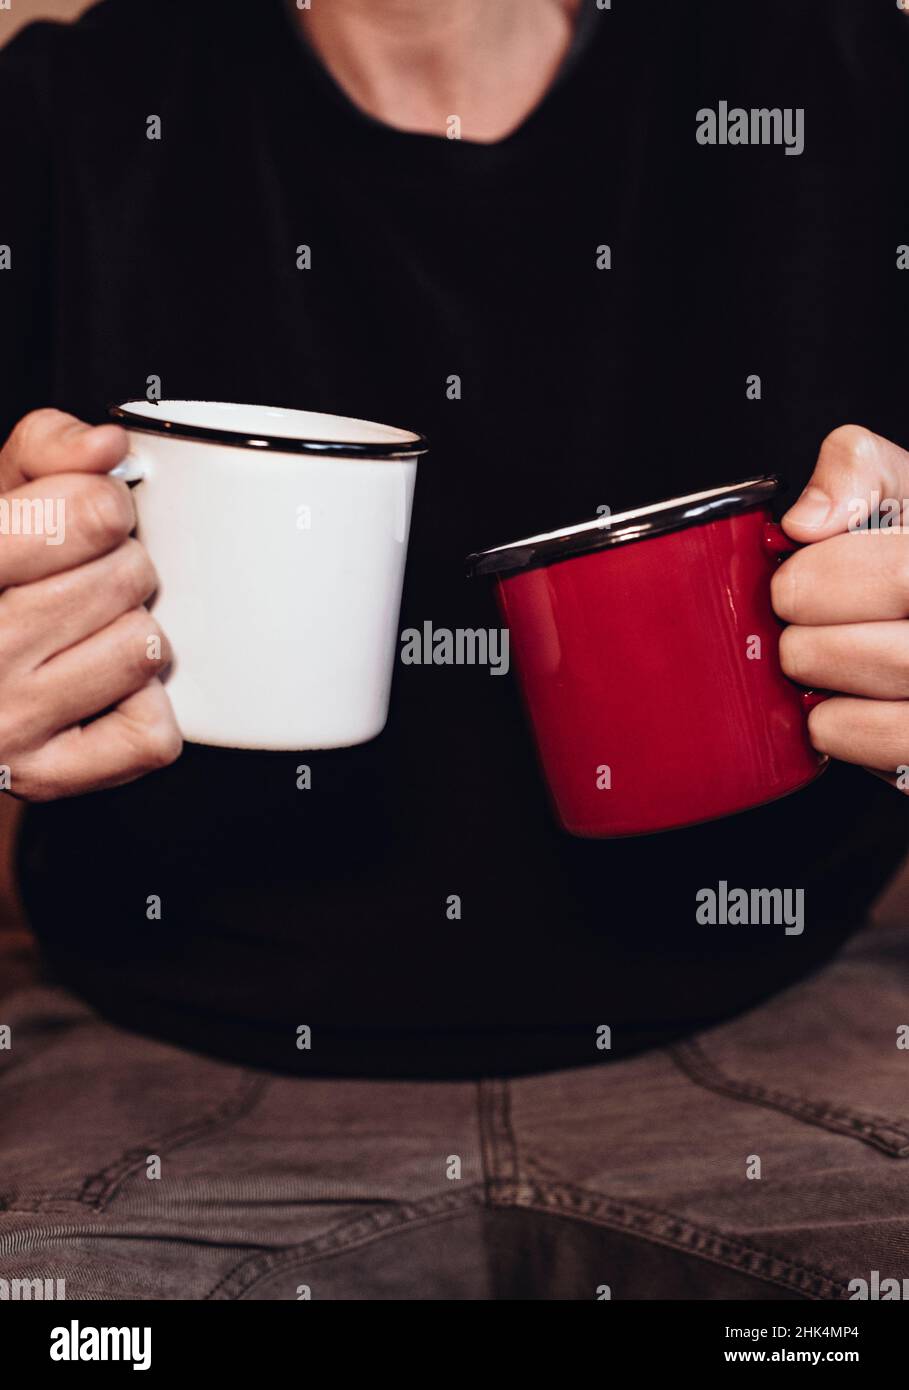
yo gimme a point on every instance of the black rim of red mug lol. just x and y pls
(661, 517)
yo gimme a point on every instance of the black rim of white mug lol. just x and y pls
(283, 444)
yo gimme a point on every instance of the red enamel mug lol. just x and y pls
(648, 654)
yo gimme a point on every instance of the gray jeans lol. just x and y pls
(765, 1159)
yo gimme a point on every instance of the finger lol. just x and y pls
(869, 659)
(39, 620)
(853, 464)
(97, 673)
(871, 733)
(859, 577)
(136, 738)
(48, 441)
(48, 528)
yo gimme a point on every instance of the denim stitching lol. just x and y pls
(543, 1198)
(662, 1228)
(497, 1142)
(874, 1130)
(99, 1189)
(359, 1231)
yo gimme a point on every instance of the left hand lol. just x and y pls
(846, 596)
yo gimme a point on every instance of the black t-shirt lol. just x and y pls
(580, 386)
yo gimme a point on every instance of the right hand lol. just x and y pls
(73, 626)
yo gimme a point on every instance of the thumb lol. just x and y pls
(48, 441)
(855, 470)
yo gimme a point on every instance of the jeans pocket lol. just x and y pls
(84, 1105)
(829, 1052)
(801, 1102)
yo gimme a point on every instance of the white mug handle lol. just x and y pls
(131, 471)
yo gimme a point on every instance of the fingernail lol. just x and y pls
(105, 431)
(811, 509)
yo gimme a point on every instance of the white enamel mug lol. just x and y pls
(279, 537)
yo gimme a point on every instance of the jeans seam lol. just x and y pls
(678, 1233)
(99, 1189)
(878, 1132)
(347, 1235)
(498, 1146)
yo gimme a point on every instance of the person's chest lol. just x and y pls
(601, 321)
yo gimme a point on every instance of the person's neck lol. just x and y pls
(415, 64)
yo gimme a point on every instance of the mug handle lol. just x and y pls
(130, 471)
(780, 546)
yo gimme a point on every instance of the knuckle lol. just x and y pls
(146, 646)
(104, 511)
(822, 725)
(792, 653)
(27, 434)
(164, 744)
(35, 788)
(10, 737)
(23, 723)
(850, 443)
(784, 589)
(135, 572)
(155, 739)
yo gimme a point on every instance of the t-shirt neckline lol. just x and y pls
(424, 147)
